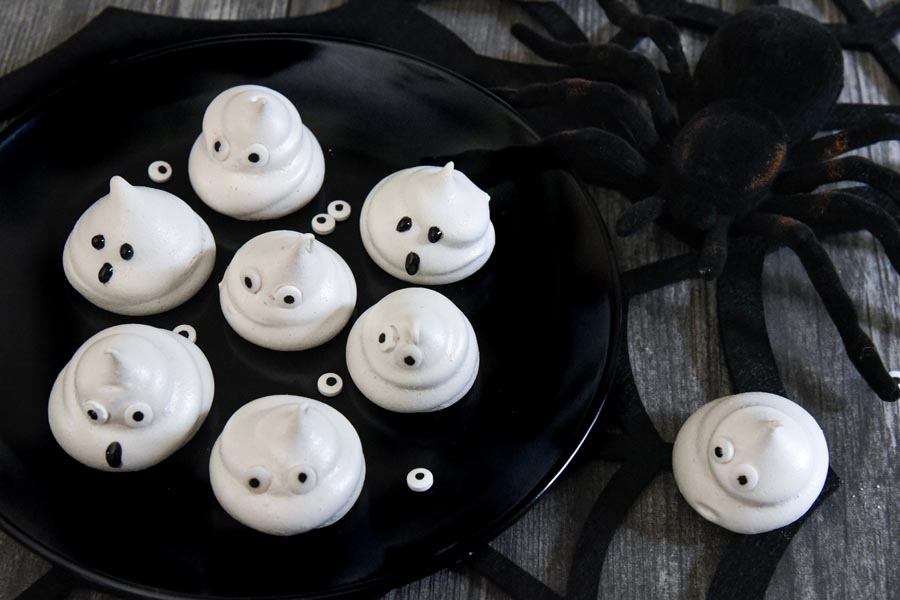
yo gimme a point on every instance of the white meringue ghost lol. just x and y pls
(286, 290)
(414, 351)
(138, 251)
(255, 159)
(286, 464)
(427, 225)
(751, 462)
(130, 397)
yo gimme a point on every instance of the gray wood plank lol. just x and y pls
(664, 550)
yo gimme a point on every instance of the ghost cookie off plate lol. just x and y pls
(546, 327)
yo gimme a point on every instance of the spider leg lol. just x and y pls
(714, 252)
(597, 156)
(591, 103)
(865, 133)
(640, 214)
(848, 168)
(555, 20)
(839, 211)
(802, 241)
(663, 33)
(607, 62)
(848, 114)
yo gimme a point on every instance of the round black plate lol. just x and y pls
(545, 310)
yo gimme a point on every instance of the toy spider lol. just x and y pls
(732, 152)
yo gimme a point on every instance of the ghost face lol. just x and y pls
(138, 251)
(130, 397)
(751, 462)
(254, 158)
(285, 464)
(286, 291)
(428, 225)
(414, 351)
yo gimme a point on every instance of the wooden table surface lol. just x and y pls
(851, 546)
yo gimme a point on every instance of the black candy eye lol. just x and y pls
(254, 483)
(126, 251)
(382, 338)
(404, 224)
(719, 452)
(253, 157)
(435, 234)
(98, 242)
(742, 479)
(218, 146)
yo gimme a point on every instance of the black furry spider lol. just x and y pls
(731, 152)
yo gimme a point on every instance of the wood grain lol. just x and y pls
(850, 549)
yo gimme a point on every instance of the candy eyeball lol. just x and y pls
(428, 225)
(255, 159)
(284, 465)
(414, 351)
(751, 462)
(130, 397)
(285, 290)
(138, 251)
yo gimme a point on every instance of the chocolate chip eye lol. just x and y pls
(126, 251)
(257, 155)
(98, 242)
(409, 360)
(254, 482)
(404, 224)
(742, 479)
(254, 157)
(387, 339)
(218, 147)
(288, 296)
(435, 234)
(722, 450)
(381, 338)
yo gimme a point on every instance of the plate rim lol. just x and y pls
(457, 552)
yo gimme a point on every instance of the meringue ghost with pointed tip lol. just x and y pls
(428, 225)
(255, 159)
(130, 397)
(286, 464)
(285, 290)
(414, 351)
(138, 251)
(751, 462)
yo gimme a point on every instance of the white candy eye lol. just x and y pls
(722, 450)
(138, 415)
(219, 148)
(302, 479)
(745, 478)
(387, 339)
(251, 280)
(257, 155)
(96, 412)
(288, 296)
(258, 479)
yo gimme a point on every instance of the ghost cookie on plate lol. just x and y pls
(427, 225)
(138, 251)
(255, 159)
(414, 351)
(286, 464)
(130, 397)
(285, 290)
(751, 462)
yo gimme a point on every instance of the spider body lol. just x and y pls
(724, 152)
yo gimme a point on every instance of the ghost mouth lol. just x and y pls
(114, 455)
(105, 273)
(412, 263)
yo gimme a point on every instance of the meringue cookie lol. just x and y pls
(414, 351)
(138, 251)
(255, 159)
(427, 225)
(286, 464)
(751, 462)
(285, 290)
(130, 397)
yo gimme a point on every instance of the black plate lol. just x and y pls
(545, 309)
